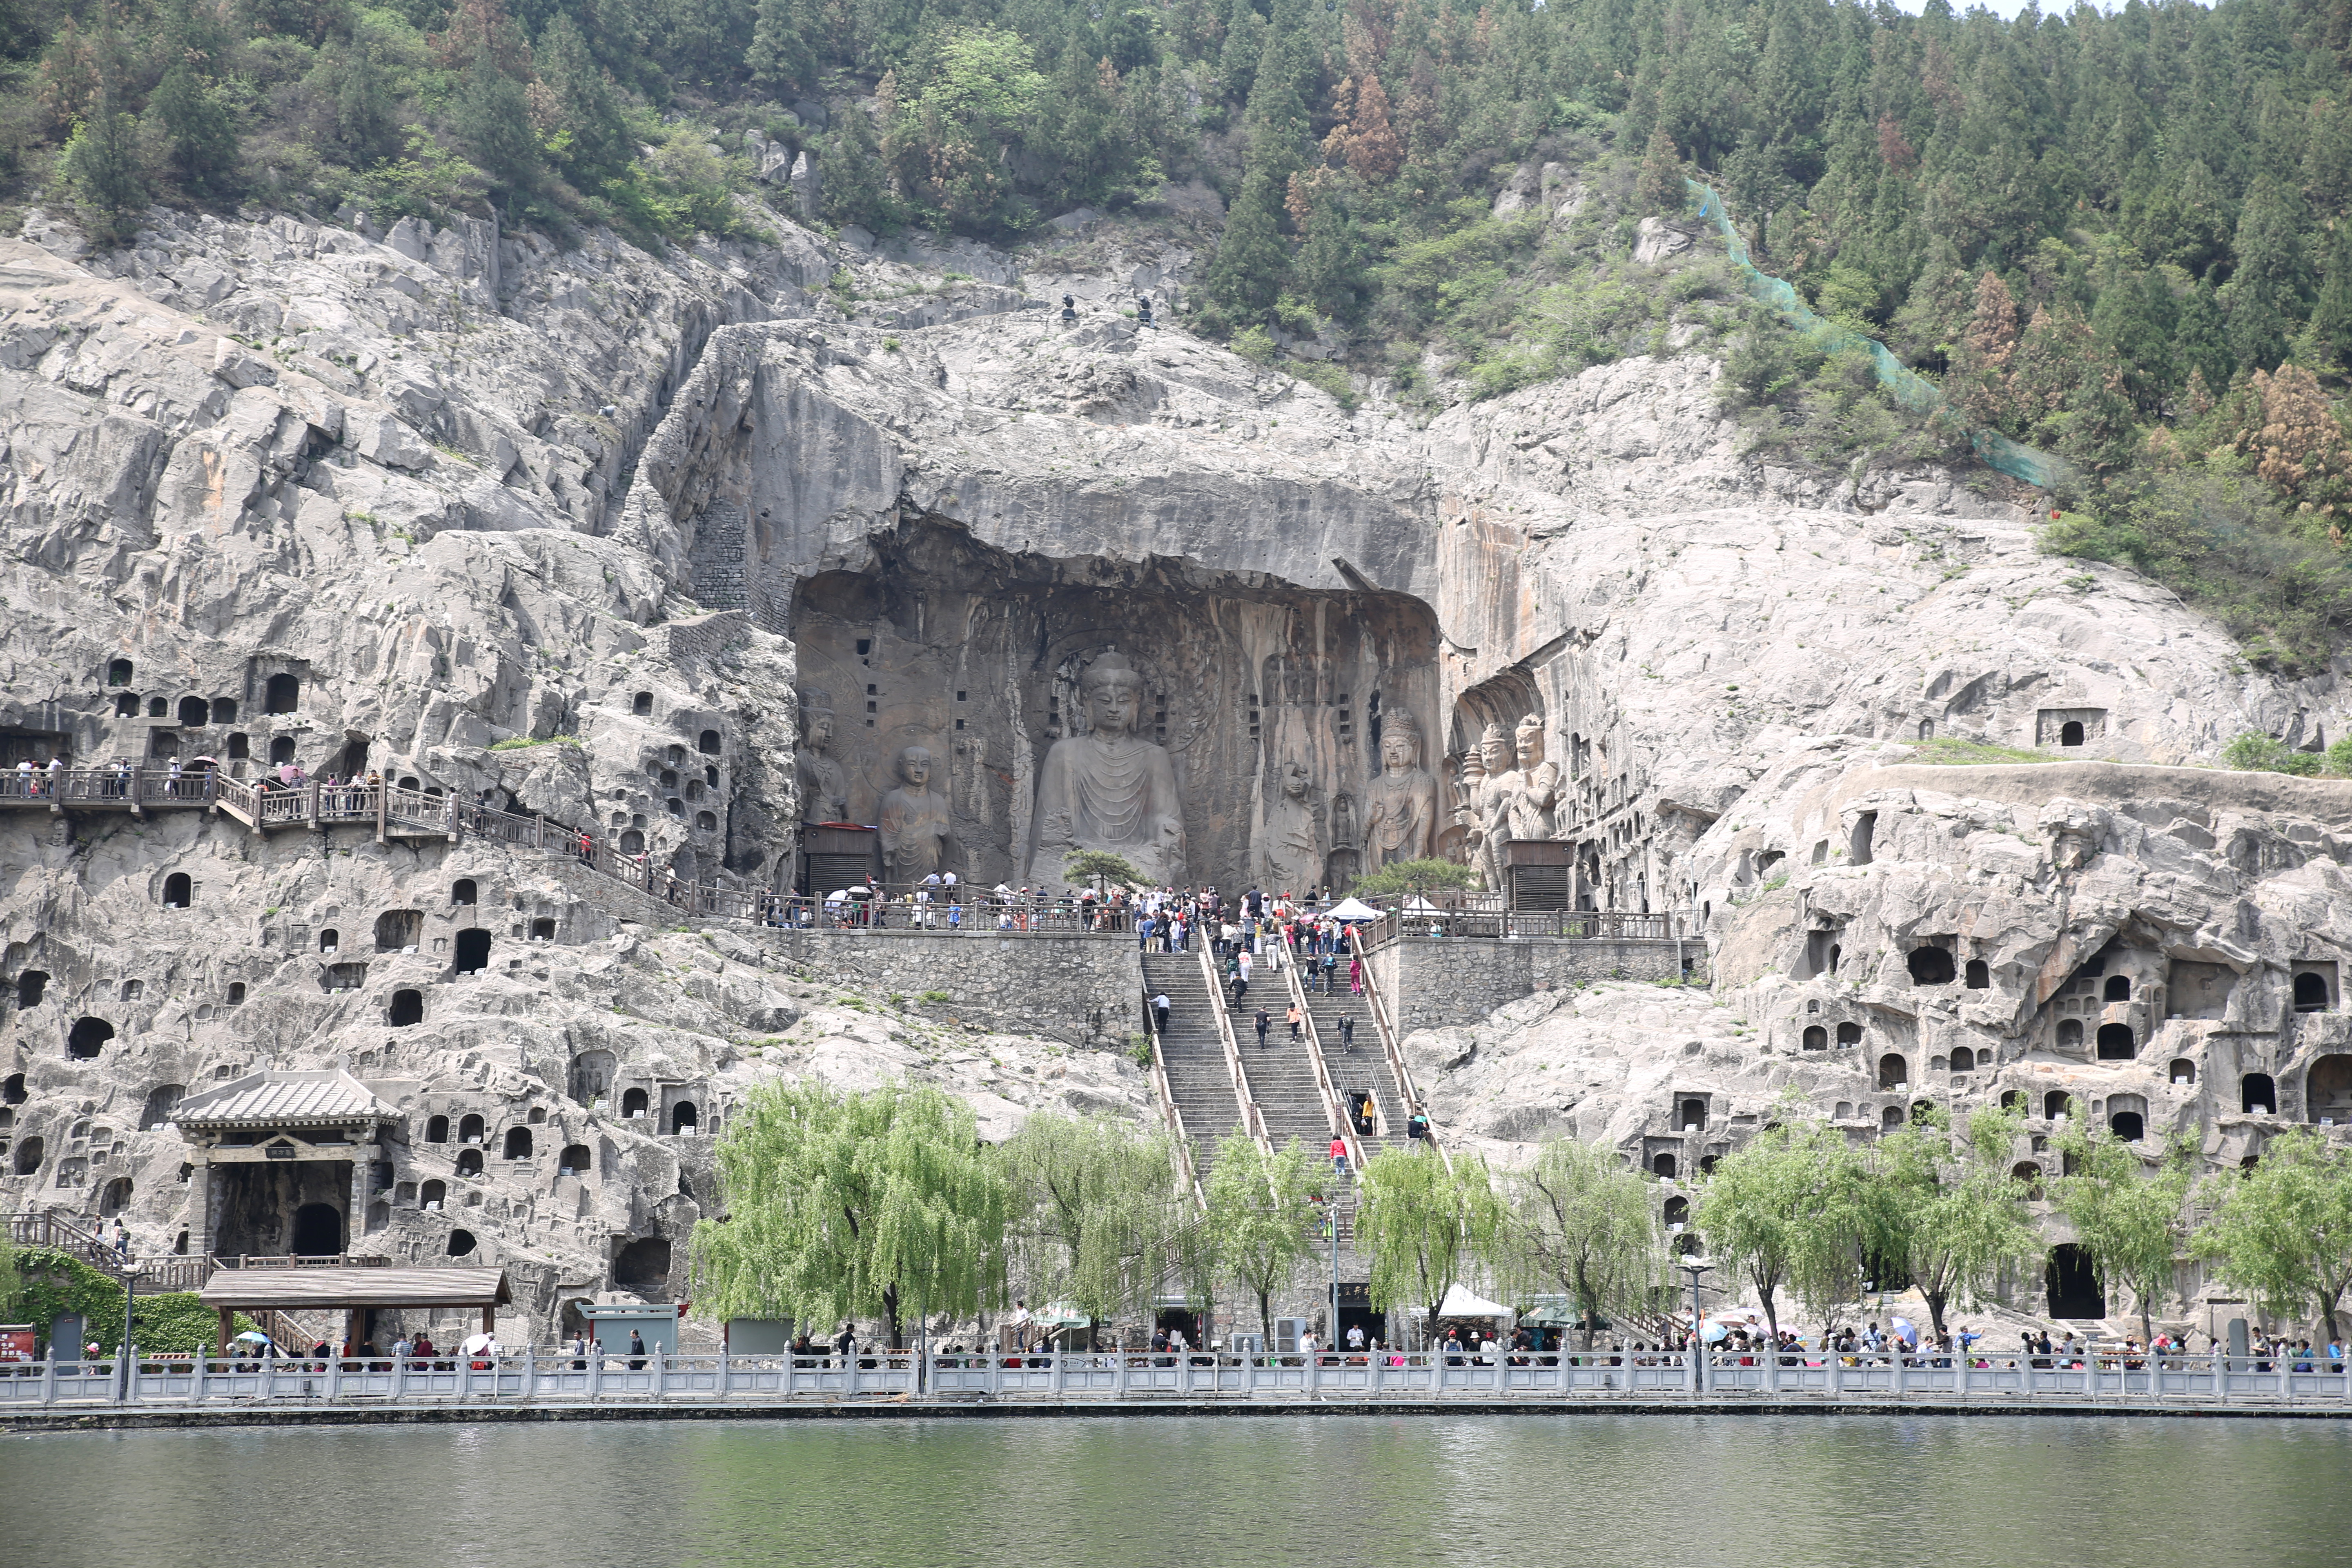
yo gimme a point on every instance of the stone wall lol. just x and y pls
(1084, 990)
(1432, 981)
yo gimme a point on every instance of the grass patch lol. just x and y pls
(1951, 750)
(524, 742)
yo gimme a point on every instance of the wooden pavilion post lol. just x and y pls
(228, 1328)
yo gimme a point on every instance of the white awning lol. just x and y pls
(1353, 910)
(1463, 1303)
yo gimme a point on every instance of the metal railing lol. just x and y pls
(1342, 1125)
(556, 1376)
(1392, 1047)
(1168, 1108)
(1251, 1116)
(123, 787)
(1495, 923)
(63, 1233)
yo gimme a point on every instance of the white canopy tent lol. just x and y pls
(1353, 910)
(1463, 1302)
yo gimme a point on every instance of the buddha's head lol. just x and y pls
(1400, 743)
(1113, 693)
(915, 768)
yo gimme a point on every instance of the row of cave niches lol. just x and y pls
(171, 720)
(397, 932)
(2105, 1012)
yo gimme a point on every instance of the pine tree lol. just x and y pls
(2266, 298)
(1082, 133)
(492, 117)
(1658, 188)
(2330, 332)
(1373, 148)
(1980, 366)
(1329, 273)
(780, 54)
(366, 127)
(198, 137)
(599, 144)
(100, 163)
(850, 168)
(1244, 278)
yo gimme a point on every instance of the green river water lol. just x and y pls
(1515, 1491)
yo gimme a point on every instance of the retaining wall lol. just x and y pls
(1084, 990)
(1432, 981)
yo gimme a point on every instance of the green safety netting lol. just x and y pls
(1908, 387)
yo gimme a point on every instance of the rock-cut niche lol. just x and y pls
(938, 686)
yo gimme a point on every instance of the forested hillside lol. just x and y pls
(2122, 237)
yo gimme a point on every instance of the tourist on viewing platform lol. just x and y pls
(637, 1351)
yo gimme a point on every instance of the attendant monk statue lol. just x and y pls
(914, 821)
(1400, 807)
(1107, 789)
(824, 787)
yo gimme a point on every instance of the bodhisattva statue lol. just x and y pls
(1292, 856)
(1401, 806)
(1107, 789)
(824, 787)
(1493, 758)
(1518, 802)
(914, 821)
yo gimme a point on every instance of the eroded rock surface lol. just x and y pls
(579, 531)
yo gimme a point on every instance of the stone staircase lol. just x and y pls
(1364, 1068)
(1194, 1054)
(1282, 1081)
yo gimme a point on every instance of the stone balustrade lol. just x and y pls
(557, 1378)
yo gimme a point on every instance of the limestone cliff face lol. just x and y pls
(578, 532)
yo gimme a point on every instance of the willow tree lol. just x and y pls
(1100, 1218)
(1954, 1215)
(853, 1204)
(2126, 1216)
(2283, 1231)
(1797, 1210)
(1423, 1224)
(1580, 1221)
(1261, 1215)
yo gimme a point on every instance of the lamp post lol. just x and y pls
(1698, 1383)
(123, 1371)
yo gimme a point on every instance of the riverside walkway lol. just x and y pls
(656, 1384)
